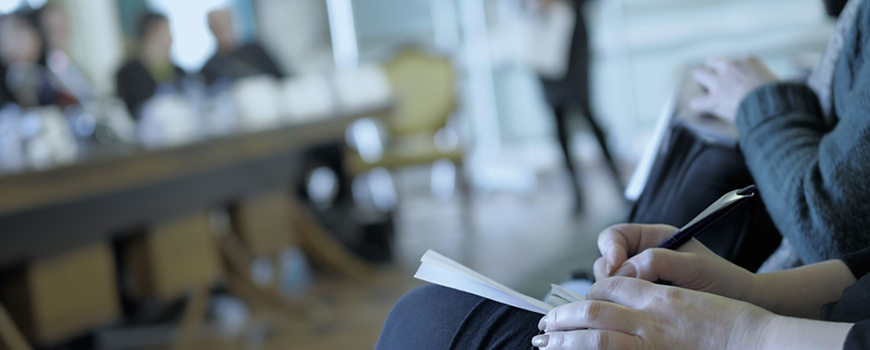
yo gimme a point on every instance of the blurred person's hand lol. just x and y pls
(727, 82)
(625, 251)
(627, 313)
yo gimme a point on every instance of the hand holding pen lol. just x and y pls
(634, 250)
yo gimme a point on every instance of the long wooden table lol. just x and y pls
(47, 211)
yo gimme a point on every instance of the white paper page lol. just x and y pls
(437, 269)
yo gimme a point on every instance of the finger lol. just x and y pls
(630, 292)
(614, 246)
(600, 269)
(660, 264)
(592, 314)
(706, 77)
(587, 339)
(752, 60)
(702, 104)
(618, 242)
(719, 64)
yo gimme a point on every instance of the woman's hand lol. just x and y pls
(727, 83)
(627, 313)
(625, 251)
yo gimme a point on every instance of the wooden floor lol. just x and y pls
(345, 315)
(524, 241)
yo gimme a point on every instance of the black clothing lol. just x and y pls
(438, 318)
(854, 304)
(693, 174)
(435, 317)
(572, 91)
(561, 114)
(6, 95)
(834, 7)
(245, 61)
(135, 84)
(573, 88)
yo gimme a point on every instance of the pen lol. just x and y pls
(714, 212)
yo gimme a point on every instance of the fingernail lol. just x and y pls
(609, 268)
(541, 341)
(542, 323)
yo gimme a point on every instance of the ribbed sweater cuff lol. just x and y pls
(774, 100)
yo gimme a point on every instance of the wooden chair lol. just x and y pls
(417, 131)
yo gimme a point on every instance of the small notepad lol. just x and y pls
(438, 269)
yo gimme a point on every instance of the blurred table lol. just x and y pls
(47, 211)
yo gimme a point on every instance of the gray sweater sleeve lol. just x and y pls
(815, 181)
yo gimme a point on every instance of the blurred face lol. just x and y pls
(19, 41)
(158, 40)
(55, 24)
(220, 22)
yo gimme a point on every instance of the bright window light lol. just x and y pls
(7, 6)
(193, 43)
(36, 3)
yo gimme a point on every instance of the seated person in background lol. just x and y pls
(24, 80)
(53, 23)
(138, 79)
(712, 304)
(232, 60)
(805, 145)
(19, 43)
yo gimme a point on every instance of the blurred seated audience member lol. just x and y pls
(52, 22)
(234, 60)
(20, 50)
(138, 80)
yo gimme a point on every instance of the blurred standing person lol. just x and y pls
(234, 60)
(570, 92)
(138, 80)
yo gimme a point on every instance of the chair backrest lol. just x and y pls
(423, 86)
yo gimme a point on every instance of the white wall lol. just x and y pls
(296, 32)
(97, 44)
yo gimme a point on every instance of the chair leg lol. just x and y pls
(193, 317)
(240, 284)
(324, 248)
(10, 337)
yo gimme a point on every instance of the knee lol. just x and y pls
(417, 301)
(424, 317)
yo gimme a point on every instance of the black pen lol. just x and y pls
(714, 212)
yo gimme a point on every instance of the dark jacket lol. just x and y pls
(246, 60)
(135, 85)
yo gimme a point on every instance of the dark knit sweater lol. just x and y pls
(814, 172)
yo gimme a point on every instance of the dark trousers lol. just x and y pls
(692, 175)
(561, 114)
(435, 317)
